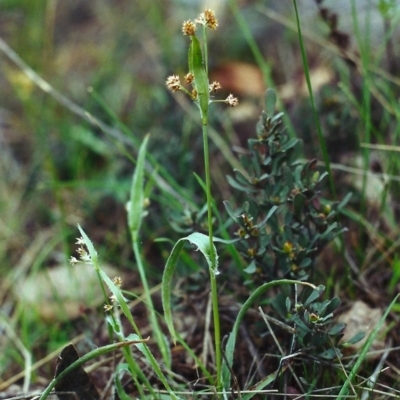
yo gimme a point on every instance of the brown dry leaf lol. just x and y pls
(319, 77)
(61, 292)
(77, 381)
(242, 79)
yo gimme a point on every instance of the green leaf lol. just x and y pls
(269, 215)
(314, 295)
(89, 245)
(298, 204)
(118, 384)
(336, 329)
(237, 186)
(333, 305)
(356, 338)
(251, 268)
(270, 101)
(229, 210)
(363, 353)
(196, 67)
(203, 244)
(135, 209)
(330, 354)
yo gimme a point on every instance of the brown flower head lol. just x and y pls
(210, 19)
(189, 77)
(173, 83)
(232, 101)
(214, 87)
(117, 281)
(193, 94)
(188, 28)
(108, 307)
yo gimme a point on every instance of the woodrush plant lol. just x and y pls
(283, 224)
(200, 93)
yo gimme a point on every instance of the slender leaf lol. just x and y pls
(135, 210)
(203, 244)
(363, 354)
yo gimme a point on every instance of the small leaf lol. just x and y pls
(306, 262)
(356, 338)
(336, 329)
(314, 295)
(298, 204)
(251, 268)
(230, 211)
(330, 354)
(237, 186)
(333, 305)
(288, 304)
(270, 101)
(269, 215)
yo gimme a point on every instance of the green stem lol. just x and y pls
(213, 271)
(152, 314)
(205, 49)
(306, 69)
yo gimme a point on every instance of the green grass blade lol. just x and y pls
(321, 138)
(345, 388)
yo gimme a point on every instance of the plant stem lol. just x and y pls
(152, 314)
(213, 271)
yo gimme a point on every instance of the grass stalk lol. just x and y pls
(213, 279)
(306, 69)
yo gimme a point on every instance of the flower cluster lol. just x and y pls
(207, 18)
(84, 256)
(113, 300)
(173, 83)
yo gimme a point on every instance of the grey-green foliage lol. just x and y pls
(282, 225)
(284, 222)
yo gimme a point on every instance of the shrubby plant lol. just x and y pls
(284, 223)
(282, 226)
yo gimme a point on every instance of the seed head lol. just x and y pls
(189, 28)
(189, 77)
(108, 307)
(80, 241)
(73, 261)
(210, 19)
(193, 94)
(117, 281)
(232, 101)
(173, 83)
(214, 87)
